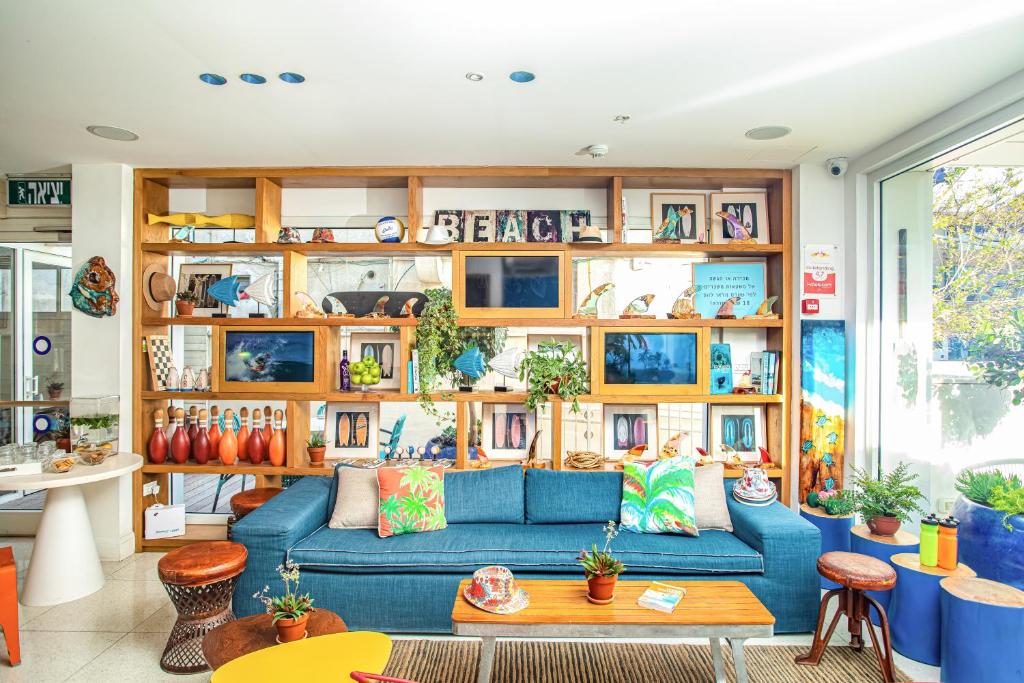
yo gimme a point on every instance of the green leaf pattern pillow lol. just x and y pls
(658, 498)
(411, 500)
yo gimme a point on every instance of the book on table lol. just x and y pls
(661, 597)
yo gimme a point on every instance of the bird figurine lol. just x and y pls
(407, 307)
(732, 458)
(634, 453)
(705, 457)
(683, 308)
(309, 308)
(378, 308)
(725, 311)
(764, 311)
(737, 230)
(338, 309)
(638, 307)
(670, 448)
(669, 231)
(184, 234)
(766, 458)
(588, 307)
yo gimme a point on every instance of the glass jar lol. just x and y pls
(25, 453)
(94, 422)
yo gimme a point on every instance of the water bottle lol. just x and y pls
(930, 541)
(948, 542)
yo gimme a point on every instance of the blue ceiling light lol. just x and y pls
(291, 77)
(521, 76)
(255, 79)
(213, 79)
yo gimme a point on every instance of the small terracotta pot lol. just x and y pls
(884, 526)
(316, 455)
(601, 589)
(185, 308)
(54, 394)
(291, 629)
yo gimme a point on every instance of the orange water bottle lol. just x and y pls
(948, 542)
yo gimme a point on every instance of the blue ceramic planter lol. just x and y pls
(987, 547)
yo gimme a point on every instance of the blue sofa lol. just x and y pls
(534, 524)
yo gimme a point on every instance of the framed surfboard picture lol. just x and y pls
(351, 430)
(383, 348)
(628, 426)
(507, 430)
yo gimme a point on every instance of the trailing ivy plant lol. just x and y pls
(554, 368)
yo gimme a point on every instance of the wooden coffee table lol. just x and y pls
(249, 634)
(559, 609)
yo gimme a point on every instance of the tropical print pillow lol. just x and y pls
(657, 498)
(411, 500)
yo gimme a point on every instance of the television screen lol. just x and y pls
(650, 358)
(511, 281)
(268, 356)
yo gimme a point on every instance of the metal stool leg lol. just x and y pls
(220, 484)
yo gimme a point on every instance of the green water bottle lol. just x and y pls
(929, 541)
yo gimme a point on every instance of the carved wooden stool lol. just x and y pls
(200, 579)
(855, 574)
(244, 502)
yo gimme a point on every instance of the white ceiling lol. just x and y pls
(385, 79)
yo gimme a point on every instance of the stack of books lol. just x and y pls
(764, 372)
(661, 597)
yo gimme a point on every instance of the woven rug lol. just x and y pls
(454, 661)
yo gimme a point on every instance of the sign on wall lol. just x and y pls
(821, 271)
(39, 191)
(512, 225)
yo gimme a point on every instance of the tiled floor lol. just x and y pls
(119, 632)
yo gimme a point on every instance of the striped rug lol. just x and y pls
(454, 661)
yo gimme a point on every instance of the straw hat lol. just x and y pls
(590, 234)
(157, 286)
(494, 589)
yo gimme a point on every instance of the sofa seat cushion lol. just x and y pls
(538, 548)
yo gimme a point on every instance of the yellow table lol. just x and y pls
(324, 658)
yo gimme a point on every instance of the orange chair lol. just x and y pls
(9, 604)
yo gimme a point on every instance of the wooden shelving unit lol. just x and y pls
(152, 188)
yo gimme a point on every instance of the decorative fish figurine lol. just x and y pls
(683, 308)
(738, 231)
(764, 311)
(232, 221)
(669, 231)
(588, 307)
(309, 308)
(92, 289)
(321, 235)
(338, 309)
(378, 308)
(288, 235)
(229, 290)
(670, 449)
(634, 453)
(471, 363)
(507, 362)
(725, 311)
(407, 307)
(638, 307)
(185, 234)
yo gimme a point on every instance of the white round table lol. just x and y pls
(65, 565)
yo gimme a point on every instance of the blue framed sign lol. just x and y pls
(721, 280)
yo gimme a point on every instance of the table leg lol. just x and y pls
(716, 659)
(64, 565)
(737, 657)
(486, 660)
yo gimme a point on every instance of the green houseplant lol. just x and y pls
(601, 568)
(887, 501)
(289, 611)
(186, 302)
(315, 448)
(991, 535)
(554, 368)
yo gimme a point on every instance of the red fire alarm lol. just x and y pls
(810, 306)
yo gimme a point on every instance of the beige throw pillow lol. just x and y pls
(712, 511)
(358, 499)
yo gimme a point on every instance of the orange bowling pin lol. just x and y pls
(277, 455)
(243, 435)
(214, 432)
(268, 430)
(227, 449)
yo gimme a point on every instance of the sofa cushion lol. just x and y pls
(411, 500)
(572, 497)
(356, 505)
(536, 548)
(484, 496)
(657, 497)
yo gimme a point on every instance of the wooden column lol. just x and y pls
(556, 433)
(461, 435)
(297, 414)
(614, 217)
(268, 210)
(294, 280)
(415, 208)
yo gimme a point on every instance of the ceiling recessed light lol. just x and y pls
(474, 76)
(255, 79)
(291, 77)
(213, 79)
(621, 118)
(113, 133)
(768, 132)
(521, 76)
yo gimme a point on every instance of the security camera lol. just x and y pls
(837, 166)
(597, 151)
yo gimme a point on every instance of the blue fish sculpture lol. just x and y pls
(227, 290)
(471, 363)
(92, 290)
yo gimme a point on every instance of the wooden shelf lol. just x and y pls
(730, 473)
(240, 468)
(617, 322)
(453, 396)
(194, 533)
(277, 322)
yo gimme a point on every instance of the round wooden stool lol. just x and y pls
(835, 533)
(244, 502)
(200, 579)
(981, 625)
(856, 574)
(249, 634)
(883, 548)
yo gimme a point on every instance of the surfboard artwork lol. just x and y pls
(622, 432)
(515, 431)
(639, 430)
(362, 427)
(384, 350)
(387, 361)
(352, 430)
(344, 434)
(500, 434)
(509, 430)
(630, 429)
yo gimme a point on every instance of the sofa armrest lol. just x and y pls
(773, 527)
(287, 518)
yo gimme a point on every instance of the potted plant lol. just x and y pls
(186, 303)
(991, 534)
(290, 611)
(315, 448)
(554, 368)
(54, 390)
(601, 568)
(838, 502)
(887, 501)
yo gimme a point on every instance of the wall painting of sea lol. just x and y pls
(822, 405)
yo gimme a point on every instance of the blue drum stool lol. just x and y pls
(981, 625)
(835, 533)
(914, 613)
(881, 547)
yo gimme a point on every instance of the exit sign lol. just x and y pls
(39, 191)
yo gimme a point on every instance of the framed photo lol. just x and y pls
(650, 361)
(507, 429)
(750, 208)
(718, 281)
(196, 278)
(509, 284)
(259, 359)
(351, 429)
(626, 426)
(739, 427)
(679, 218)
(383, 348)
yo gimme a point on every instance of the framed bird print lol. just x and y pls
(678, 218)
(383, 348)
(507, 429)
(650, 361)
(629, 427)
(736, 430)
(739, 217)
(351, 429)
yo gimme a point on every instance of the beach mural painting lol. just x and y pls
(822, 405)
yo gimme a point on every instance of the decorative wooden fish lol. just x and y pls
(407, 307)
(725, 311)
(507, 362)
(669, 230)
(682, 308)
(229, 290)
(378, 308)
(588, 307)
(764, 311)
(638, 307)
(344, 430)
(362, 429)
(232, 221)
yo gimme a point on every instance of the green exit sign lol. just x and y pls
(39, 192)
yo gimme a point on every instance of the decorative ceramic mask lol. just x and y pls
(92, 290)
